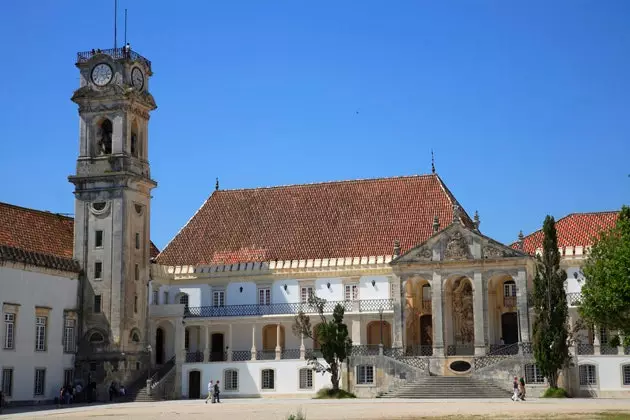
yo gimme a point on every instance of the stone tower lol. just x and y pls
(112, 212)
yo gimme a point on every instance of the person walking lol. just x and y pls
(210, 392)
(515, 387)
(216, 392)
(521, 389)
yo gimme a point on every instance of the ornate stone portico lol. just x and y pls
(462, 294)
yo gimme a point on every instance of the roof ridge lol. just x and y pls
(2, 203)
(345, 181)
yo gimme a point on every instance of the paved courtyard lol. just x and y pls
(279, 409)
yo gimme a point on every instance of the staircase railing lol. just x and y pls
(159, 374)
(499, 354)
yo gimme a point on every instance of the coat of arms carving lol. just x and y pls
(457, 248)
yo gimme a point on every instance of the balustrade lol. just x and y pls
(460, 350)
(608, 350)
(585, 349)
(115, 53)
(419, 350)
(194, 356)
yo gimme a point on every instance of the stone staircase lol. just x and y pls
(138, 390)
(444, 387)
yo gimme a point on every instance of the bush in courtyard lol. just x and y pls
(328, 393)
(555, 393)
(297, 416)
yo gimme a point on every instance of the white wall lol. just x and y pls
(609, 372)
(572, 284)
(32, 289)
(249, 377)
(335, 292)
(380, 290)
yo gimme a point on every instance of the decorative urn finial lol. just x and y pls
(477, 221)
(520, 240)
(396, 248)
(455, 213)
(216, 185)
(436, 224)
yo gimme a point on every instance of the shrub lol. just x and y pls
(555, 393)
(298, 416)
(327, 393)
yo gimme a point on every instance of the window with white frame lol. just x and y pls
(230, 380)
(365, 375)
(509, 288)
(533, 375)
(305, 293)
(625, 375)
(306, 378)
(588, 375)
(268, 379)
(183, 300)
(68, 336)
(40, 382)
(264, 296)
(9, 331)
(156, 297)
(98, 270)
(7, 382)
(218, 298)
(40, 333)
(68, 377)
(351, 292)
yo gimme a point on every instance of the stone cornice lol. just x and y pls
(16, 255)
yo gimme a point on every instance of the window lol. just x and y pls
(7, 382)
(156, 297)
(230, 380)
(603, 336)
(9, 331)
(136, 272)
(365, 374)
(352, 292)
(166, 298)
(306, 378)
(268, 379)
(98, 239)
(218, 298)
(137, 365)
(137, 240)
(183, 300)
(135, 304)
(98, 270)
(105, 137)
(306, 293)
(40, 381)
(134, 144)
(264, 296)
(533, 375)
(588, 375)
(509, 288)
(625, 374)
(68, 336)
(97, 304)
(68, 377)
(40, 333)
(96, 337)
(186, 339)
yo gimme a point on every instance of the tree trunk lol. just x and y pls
(334, 376)
(553, 380)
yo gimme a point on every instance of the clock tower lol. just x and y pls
(112, 213)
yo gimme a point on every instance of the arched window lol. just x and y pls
(96, 337)
(509, 288)
(105, 137)
(230, 380)
(135, 336)
(588, 375)
(268, 379)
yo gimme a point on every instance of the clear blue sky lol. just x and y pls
(526, 103)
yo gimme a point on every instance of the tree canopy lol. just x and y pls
(550, 335)
(605, 299)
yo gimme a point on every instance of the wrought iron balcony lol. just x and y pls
(608, 350)
(365, 350)
(502, 349)
(585, 348)
(194, 356)
(373, 305)
(313, 353)
(115, 53)
(419, 350)
(241, 355)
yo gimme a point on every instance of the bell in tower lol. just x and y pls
(112, 211)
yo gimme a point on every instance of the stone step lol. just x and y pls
(448, 387)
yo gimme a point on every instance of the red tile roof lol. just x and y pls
(39, 232)
(576, 229)
(324, 220)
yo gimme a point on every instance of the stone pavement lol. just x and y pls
(359, 409)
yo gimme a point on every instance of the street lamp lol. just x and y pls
(149, 350)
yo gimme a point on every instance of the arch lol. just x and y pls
(501, 297)
(460, 326)
(217, 347)
(509, 328)
(194, 384)
(166, 335)
(374, 329)
(95, 337)
(269, 333)
(416, 305)
(135, 336)
(104, 137)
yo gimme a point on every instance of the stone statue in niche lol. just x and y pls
(457, 247)
(463, 312)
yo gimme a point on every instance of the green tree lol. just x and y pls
(605, 296)
(550, 339)
(332, 336)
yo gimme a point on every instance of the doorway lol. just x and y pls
(217, 349)
(509, 327)
(159, 346)
(426, 330)
(194, 385)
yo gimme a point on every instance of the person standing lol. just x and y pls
(521, 390)
(515, 389)
(217, 391)
(210, 392)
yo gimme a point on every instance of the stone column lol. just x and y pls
(230, 348)
(523, 308)
(399, 309)
(180, 355)
(206, 349)
(253, 341)
(480, 345)
(302, 348)
(437, 311)
(356, 331)
(596, 342)
(278, 348)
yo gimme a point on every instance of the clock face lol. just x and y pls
(101, 74)
(137, 78)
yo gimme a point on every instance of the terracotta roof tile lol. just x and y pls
(324, 220)
(576, 229)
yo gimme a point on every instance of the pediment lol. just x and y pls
(457, 243)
